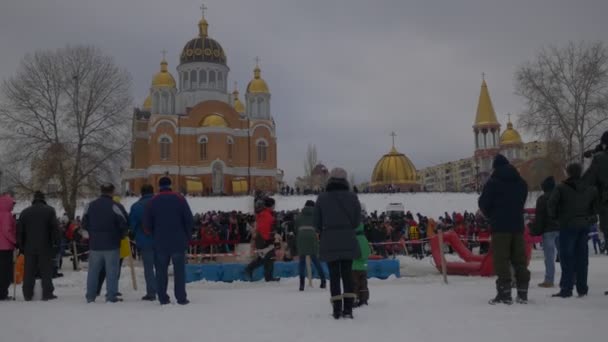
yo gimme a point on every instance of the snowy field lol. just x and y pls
(428, 204)
(416, 307)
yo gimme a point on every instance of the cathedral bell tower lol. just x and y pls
(258, 96)
(486, 130)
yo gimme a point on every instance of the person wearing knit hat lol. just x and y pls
(502, 201)
(38, 234)
(337, 215)
(164, 183)
(548, 228)
(307, 243)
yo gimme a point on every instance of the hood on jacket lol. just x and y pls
(359, 229)
(308, 211)
(548, 184)
(6, 204)
(507, 173)
(337, 184)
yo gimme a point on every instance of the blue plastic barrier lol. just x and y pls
(380, 269)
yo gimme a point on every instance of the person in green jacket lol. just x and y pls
(307, 243)
(360, 268)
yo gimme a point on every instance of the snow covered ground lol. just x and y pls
(416, 307)
(428, 204)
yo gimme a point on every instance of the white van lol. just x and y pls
(395, 208)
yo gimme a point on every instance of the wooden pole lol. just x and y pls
(132, 267)
(15, 256)
(443, 265)
(309, 271)
(75, 261)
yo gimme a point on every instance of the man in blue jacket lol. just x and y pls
(502, 202)
(167, 217)
(106, 224)
(144, 242)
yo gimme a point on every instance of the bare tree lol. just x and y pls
(64, 117)
(310, 162)
(566, 93)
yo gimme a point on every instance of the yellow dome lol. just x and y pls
(214, 120)
(510, 136)
(148, 103)
(394, 168)
(257, 84)
(163, 78)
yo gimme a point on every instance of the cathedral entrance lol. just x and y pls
(218, 178)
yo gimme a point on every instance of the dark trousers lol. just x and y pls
(6, 272)
(41, 264)
(604, 225)
(510, 251)
(574, 259)
(360, 286)
(313, 260)
(178, 260)
(102, 276)
(267, 261)
(340, 271)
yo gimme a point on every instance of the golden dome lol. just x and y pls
(257, 84)
(510, 136)
(214, 120)
(485, 110)
(238, 105)
(148, 103)
(163, 78)
(394, 168)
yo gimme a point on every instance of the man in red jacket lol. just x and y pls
(264, 242)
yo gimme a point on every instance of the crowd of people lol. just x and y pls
(335, 229)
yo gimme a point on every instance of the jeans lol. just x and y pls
(574, 257)
(550, 241)
(161, 261)
(98, 260)
(147, 256)
(315, 261)
(341, 270)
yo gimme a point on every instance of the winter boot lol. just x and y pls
(522, 297)
(562, 294)
(503, 295)
(336, 302)
(349, 302)
(301, 283)
(323, 283)
(546, 285)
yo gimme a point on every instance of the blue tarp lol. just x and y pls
(381, 269)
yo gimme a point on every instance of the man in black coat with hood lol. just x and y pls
(502, 202)
(38, 236)
(597, 176)
(336, 217)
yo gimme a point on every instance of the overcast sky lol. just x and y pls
(343, 73)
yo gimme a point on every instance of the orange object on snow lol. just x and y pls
(19, 269)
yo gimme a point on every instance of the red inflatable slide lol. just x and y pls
(473, 264)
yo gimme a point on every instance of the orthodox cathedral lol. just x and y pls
(194, 131)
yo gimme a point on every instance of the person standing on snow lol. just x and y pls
(575, 204)
(360, 267)
(548, 228)
(168, 218)
(144, 242)
(307, 243)
(106, 224)
(337, 215)
(38, 234)
(8, 242)
(264, 242)
(502, 202)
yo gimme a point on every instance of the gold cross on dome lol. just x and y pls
(509, 116)
(393, 135)
(257, 61)
(235, 86)
(164, 52)
(483, 76)
(203, 9)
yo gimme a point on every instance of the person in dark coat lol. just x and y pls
(337, 214)
(144, 241)
(575, 204)
(264, 241)
(597, 176)
(105, 221)
(307, 243)
(38, 235)
(168, 218)
(548, 228)
(8, 244)
(502, 202)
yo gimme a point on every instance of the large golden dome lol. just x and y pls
(510, 136)
(214, 120)
(395, 169)
(203, 48)
(163, 78)
(257, 84)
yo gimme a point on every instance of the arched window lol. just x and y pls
(193, 79)
(186, 82)
(230, 145)
(165, 103)
(165, 148)
(262, 147)
(202, 77)
(212, 79)
(220, 80)
(203, 142)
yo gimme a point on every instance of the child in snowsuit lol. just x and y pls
(360, 268)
